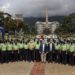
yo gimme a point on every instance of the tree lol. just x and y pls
(68, 26)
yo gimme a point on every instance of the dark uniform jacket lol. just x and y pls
(45, 48)
(53, 47)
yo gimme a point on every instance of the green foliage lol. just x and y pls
(11, 24)
(67, 27)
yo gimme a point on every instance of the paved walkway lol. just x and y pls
(59, 69)
(38, 69)
(16, 68)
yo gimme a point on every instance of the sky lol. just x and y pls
(36, 8)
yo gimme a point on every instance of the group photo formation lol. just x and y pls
(37, 37)
(60, 51)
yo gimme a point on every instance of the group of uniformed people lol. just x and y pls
(43, 50)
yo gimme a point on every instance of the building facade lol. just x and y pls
(40, 26)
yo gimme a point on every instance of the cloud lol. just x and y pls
(37, 7)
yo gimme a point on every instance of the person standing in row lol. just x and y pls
(51, 51)
(37, 48)
(3, 52)
(71, 54)
(57, 54)
(15, 51)
(0, 51)
(25, 51)
(43, 51)
(31, 47)
(64, 53)
(9, 51)
(74, 53)
(21, 51)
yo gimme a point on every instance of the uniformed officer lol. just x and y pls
(74, 52)
(4, 53)
(0, 51)
(37, 54)
(21, 50)
(64, 53)
(57, 54)
(29, 52)
(31, 47)
(71, 56)
(56, 51)
(60, 52)
(25, 51)
(15, 51)
(9, 51)
(18, 43)
(34, 51)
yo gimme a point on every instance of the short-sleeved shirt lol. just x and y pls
(57, 46)
(37, 46)
(64, 47)
(72, 48)
(9, 47)
(21, 46)
(25, 46)
(15, 47)
(67, 47)
(3, 48)
(31, 46)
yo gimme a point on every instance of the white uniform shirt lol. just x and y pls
(50, 46)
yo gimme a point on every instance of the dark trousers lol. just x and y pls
(55, 55)
(58, 57)
(37, 55)
(29, 55)
(4, 56)
(50, 56)
(74, 58)
(33, 56)
(21, 54)
(24, 55)
(15, 55)
(64, 57)
(0, 56)
(71, 58)
(9, 56)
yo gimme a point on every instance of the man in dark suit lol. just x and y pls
(51, 49)
(43, 51)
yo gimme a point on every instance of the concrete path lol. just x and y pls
(59, 69)
(36, 68)
(16, 68)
